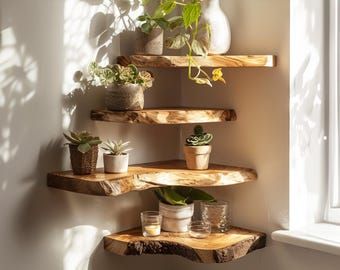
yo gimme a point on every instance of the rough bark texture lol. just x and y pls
(150, 175)
(209, 61)
(217, 248)
(165, 116)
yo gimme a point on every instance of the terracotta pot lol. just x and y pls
(116, 164)
(83, 163)
(125, 97)
(149, 44)
(176, 218)
(197, 157)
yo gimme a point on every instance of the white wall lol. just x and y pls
(42, 43)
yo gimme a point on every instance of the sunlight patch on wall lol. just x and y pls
(79, 244)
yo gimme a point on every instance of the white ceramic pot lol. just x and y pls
(220, 39)
(125, 97)
(116, 164)
(176, 218)
(197, 157)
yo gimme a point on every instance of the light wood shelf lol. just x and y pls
(163, 61)
(217, 248)
(165, 116)
(150, 175)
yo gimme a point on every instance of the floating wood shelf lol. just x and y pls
(165, 116)
(144, 61)
(217, 248)
(150, 175)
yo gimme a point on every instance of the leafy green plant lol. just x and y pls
(120, 75)
(199, 137)
(83, 140)
(188, 30)
(116, 148)
(157, 19)
(181, 195)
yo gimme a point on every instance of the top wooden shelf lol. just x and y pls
(145, 61)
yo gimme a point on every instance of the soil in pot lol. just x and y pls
(125, 97)
(116, 163)
(197, 157)
(83, 163)
(176, 218)
(149, 44)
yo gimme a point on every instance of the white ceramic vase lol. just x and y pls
(176, 218)
(116, 164)
(197, 157)
(220, 39)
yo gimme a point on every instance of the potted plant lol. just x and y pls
(125, 85)
(116, 160)
(197, 149)
(193, 32)
(176, 205)
(83, 152)
(150, 33)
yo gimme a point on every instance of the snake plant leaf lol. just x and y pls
(83, 148)
(172, 197)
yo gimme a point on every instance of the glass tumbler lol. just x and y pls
(217, 214)
(151, 223)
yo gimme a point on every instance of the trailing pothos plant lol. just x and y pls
(188, 33)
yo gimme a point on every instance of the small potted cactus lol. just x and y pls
(176, 205)
(197, 149)
(116, 160)
(83, 152)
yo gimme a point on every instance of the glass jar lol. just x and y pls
(217, 214)
(151, 223)
(199, 229)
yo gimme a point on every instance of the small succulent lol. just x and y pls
(181, 195)
(120, 75)
(83, 139)
(116, 148)
(199, 137)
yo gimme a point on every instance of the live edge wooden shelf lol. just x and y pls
(165, 116)
(150, 175)
(217, 248)
(163, 61)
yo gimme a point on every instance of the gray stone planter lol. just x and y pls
(149, 44)
(125, 97)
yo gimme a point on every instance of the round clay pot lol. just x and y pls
(197, 157)
(116, 164)
(149, 44)
(176, 218)
(125, 97)
(83, 163)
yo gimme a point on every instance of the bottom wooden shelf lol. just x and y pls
(217, 248)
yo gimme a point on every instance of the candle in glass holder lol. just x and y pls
(151, 223)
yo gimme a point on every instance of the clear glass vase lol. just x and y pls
(217, 214)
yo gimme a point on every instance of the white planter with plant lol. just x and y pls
(125, 85)
(116, 160)
(197, 149)
(176, 205)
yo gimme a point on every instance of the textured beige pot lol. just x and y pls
(197, 157)
(149, 44)
(176, 218)
(125, 97)
(116, 164)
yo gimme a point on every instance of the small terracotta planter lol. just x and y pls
(125, 97)
(149, 44)
(197, 157)
(116, 163)
(176, 218)
(83, 163)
